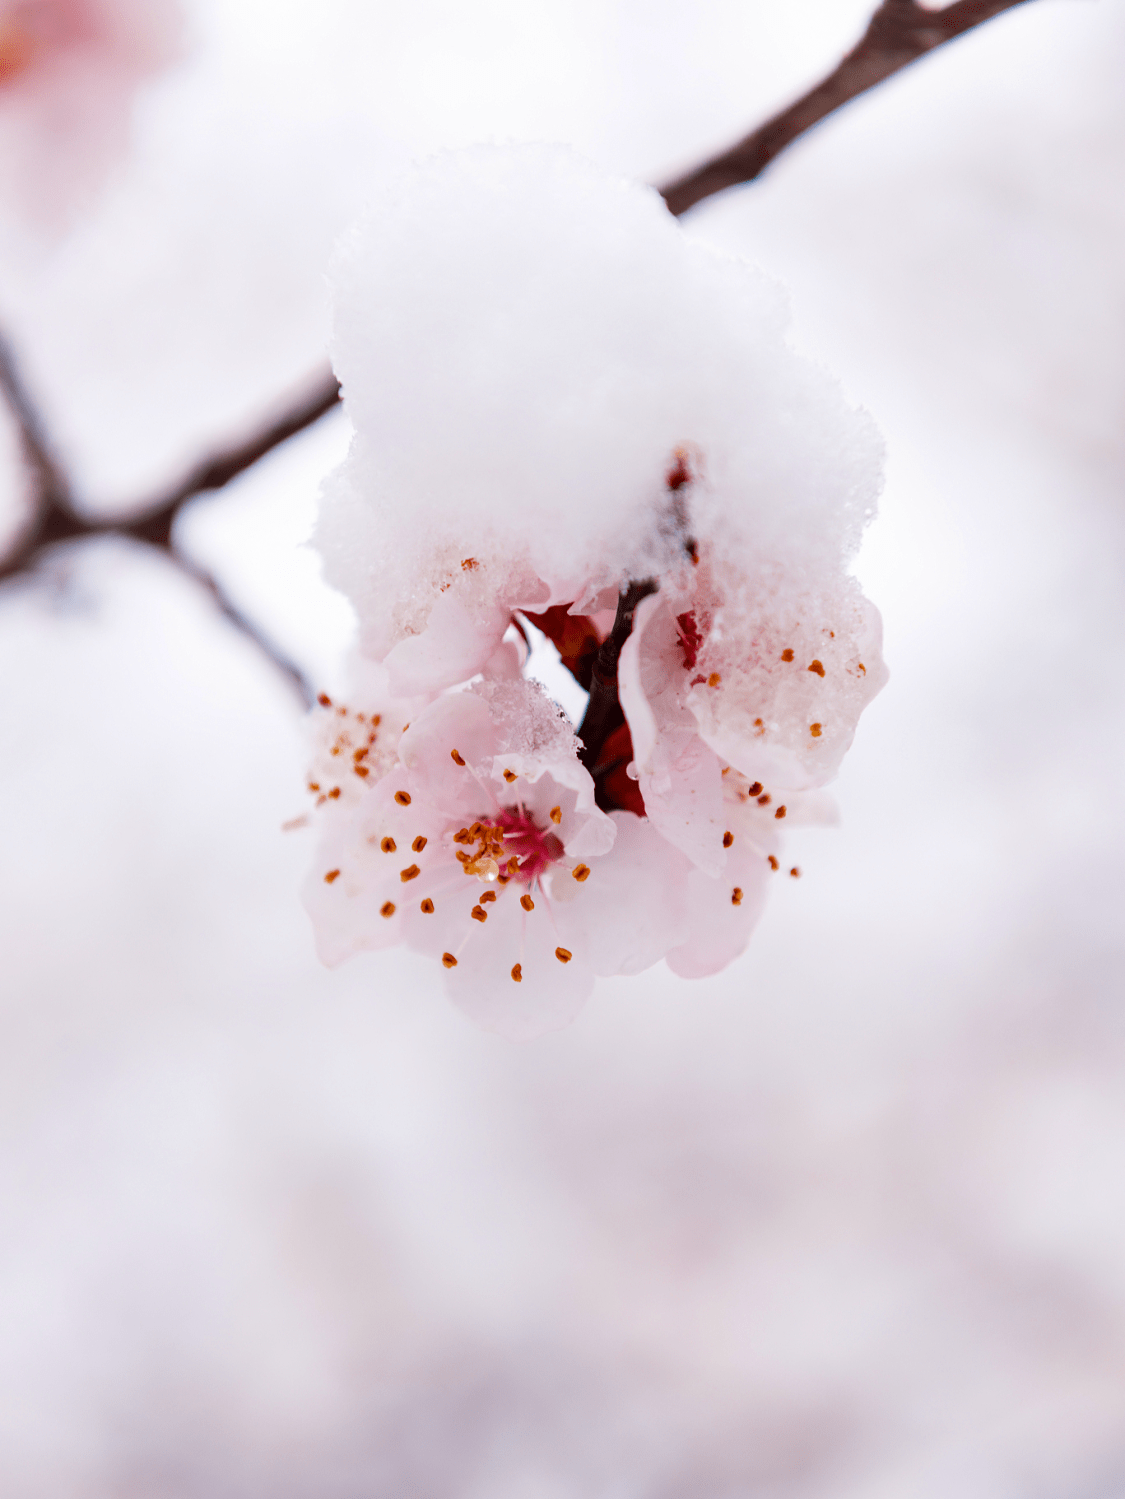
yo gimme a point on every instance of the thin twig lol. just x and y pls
(152, 522)
(898, 33)
(246, 626)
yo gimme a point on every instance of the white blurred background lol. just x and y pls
(846, 1222)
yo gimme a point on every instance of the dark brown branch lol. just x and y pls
(898, 33)
(603, 710)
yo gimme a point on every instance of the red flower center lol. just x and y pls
(536, 848)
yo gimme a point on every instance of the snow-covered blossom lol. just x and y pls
(712, 686)
(526, 346)
(69, 70)
(568, 412)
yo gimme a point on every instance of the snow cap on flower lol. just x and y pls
(569, 415)
(527, 346)
(69, 71)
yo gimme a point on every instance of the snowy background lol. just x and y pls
(846, 1222)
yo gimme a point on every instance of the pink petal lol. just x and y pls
(719, 928)
(680, 776)
(632, 907)
(454, 646)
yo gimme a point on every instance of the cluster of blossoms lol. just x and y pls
(569, 414)
(69, 70)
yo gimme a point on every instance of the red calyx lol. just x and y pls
(573, 635)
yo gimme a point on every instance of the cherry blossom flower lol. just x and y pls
(69, 70)
(483, 846)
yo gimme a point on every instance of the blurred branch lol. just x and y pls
(153, 521)
(53, 519)
(898, 34)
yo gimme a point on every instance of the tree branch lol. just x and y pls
(603, 709)
(153, 521)
(898, 34)
(54, 520)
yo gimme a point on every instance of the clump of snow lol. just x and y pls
(525, 342)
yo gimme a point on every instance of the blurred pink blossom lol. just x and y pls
(69, 72)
